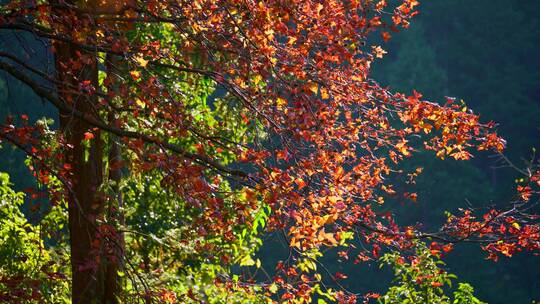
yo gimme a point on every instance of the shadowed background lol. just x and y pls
(484, 52)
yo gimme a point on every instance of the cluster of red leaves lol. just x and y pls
(20, 289)
(46, 161)
(299, 69)
(160, 296)
(503, 231)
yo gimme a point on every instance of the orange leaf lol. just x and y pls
(88, 135)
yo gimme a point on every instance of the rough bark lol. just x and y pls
(93, 278)
(85, 203)
(95, 260)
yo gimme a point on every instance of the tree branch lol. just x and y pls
(62, 106)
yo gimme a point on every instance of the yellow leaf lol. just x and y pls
(295, 243)
(516, 225)
(313, 87)
(319, 8)
(441, 153)
(402, 147)
(135, 74)
(339, 172)
(331, 239)
(257, 79)
(247, 261)
(292, 40)
(281, 102)
(334, 199)
(357, 78)
(269, 34)
(324, 93)
(141, 61)
(273, 288)
(140, 103)
(311, 265)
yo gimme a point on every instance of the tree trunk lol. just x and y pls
(85, 203)
(94, 275)
(95, 259)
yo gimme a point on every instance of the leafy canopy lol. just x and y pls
(234, 115)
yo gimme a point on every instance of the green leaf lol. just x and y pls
(247, 261)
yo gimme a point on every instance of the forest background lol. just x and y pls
(484, 52)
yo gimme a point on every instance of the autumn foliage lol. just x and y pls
(295, 130)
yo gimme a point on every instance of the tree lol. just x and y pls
(422, 279)
(459, 42)
(238, 115)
